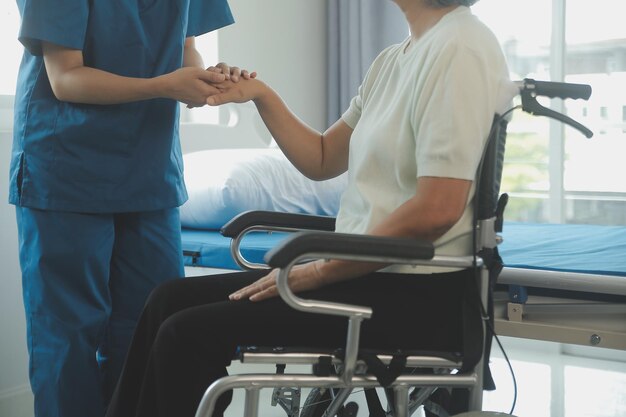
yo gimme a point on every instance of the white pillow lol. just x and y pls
(222, 183)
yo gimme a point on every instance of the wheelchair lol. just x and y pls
(408, 379)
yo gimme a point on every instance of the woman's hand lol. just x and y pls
(228, 91)
(237, 92)
(232, 73)
(301, 278)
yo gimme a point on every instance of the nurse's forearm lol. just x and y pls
(74, 82)
(91, 86)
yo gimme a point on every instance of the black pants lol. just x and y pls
(189, 331)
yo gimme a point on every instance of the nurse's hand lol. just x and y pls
(301, 278)
(190, 85)
(232, 73)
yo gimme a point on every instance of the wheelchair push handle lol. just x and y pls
(530, 89)
(556, 90)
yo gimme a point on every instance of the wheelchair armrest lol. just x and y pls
(276, 220)
(307, 245)
(329, 245)
(351, 246)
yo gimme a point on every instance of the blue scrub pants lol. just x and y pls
(85, 281)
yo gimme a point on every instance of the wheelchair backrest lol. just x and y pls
(490, 170)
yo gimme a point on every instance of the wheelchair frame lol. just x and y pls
(303, 246)
(349, 377)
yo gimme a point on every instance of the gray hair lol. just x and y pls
(446, 3)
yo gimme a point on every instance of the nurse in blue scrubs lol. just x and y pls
(96, 177)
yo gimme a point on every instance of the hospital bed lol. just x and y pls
(527, 276)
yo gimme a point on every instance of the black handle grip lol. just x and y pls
(560, 90)
(303, 243)
(247, 219)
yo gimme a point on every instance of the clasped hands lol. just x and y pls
(194, 86)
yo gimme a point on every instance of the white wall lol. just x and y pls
(284, 40)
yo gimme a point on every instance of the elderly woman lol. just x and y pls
(411, 141)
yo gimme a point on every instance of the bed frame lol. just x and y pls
(567, 286)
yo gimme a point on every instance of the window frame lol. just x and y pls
(556, 149)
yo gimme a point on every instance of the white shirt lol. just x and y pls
(425, 108)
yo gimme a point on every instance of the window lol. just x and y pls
(553, 173)
(11, 53)
(11, 48)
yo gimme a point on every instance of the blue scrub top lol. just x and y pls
(103, 158)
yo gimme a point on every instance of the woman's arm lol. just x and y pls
(437, 205)
(317, 155)
(72, 81)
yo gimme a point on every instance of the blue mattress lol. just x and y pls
(554, 247)
(208, 248)
(584, 249)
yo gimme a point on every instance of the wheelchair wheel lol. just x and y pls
(318, 401)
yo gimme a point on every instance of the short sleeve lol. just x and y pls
(454, 122)
(208, 15)
(353, 114)
(62, 22)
